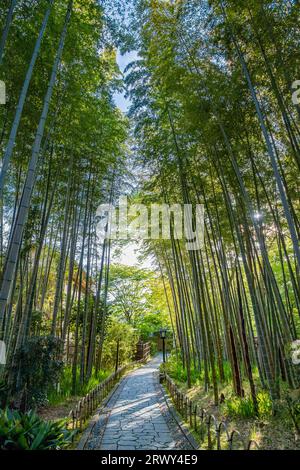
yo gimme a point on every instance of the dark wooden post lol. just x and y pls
(117, 355)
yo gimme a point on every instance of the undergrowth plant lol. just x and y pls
(27, 431)
(242, 407)
(63, 391)
(174, 367)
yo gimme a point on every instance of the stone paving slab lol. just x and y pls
(137, 417)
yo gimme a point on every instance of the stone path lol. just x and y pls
(137, 417)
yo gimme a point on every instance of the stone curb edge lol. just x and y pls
(87, 432)
(179, 420)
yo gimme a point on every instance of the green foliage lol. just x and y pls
(237, 407)
(293, 405)
(83, 150)
(149, 324)
(175, 369)
(205, 86)
(137, 297)
(119, 335)
(26, 431)
(265, 406)
(63, 390)
(36, 368)
(198, 121)
(154, 348)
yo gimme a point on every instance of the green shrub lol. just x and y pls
(27, 431)
(238, 407)
(265, 407)
(63, 391)
(36, 368)
(154, 348)
(119, 336)
(176, 370)
(293, 406)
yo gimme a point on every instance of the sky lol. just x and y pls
(128, 256)
(123, 60)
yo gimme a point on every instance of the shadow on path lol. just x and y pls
(136, 416)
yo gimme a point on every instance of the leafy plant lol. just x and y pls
(63, 390)
(294, 411)
(27, 431)
(240, 407)
(176, 370)
(34, 377)
(122, 335)
(243, 407)
(265, 406)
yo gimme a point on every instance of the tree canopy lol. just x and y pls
(214, 120)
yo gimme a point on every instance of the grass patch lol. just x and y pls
(238, 407)
(63, 391)
(269, 431)
(175, 370)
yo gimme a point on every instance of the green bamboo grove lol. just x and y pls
(63, 147)
(216, 124)
(213, 120)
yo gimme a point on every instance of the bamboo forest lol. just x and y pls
(149, 226)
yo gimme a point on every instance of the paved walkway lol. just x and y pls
(136, 417)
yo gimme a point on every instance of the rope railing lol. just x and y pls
(86, 405)
(206, 424)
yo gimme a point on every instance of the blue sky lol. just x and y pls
(123, 60)
(129, 255)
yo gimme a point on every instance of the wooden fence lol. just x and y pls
(215, 433)
(143, 351)
(88, 404)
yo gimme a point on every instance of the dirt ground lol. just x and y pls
(61, 411)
